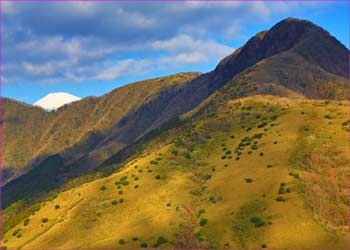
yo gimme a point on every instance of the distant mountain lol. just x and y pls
(294, 55)
(30, 134)
(53, 101)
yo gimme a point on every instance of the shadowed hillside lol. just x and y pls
(31, 133)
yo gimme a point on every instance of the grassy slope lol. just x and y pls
(22, 125)
(193, 176)
(30, 132)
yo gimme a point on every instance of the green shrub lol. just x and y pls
(103, 188)
(26, 221)
(17, 231)
(294, 173)
(19, 235)
(188, 155)
(212, 199)
(201, 211)
(346, 123)
(174, 152)
(258, 136)
(136, 178)
(328, 116)
(280, 199)
(263, 246)
(121, 200)
(136, 186)
(228, 152)
(154, 162)
(44, 220)
(254, 147)
(206, 177)
(161, 240)
(281, 190)
(120, 192)
(144, 245)
(274, 117)
(282, 184)
(203, 222)
(263, 124)
(57, 206)
(237, 158)
(135, 238)
(114, 202)
(157, 177)
(257, 221)
(248, 180)
(121, 241)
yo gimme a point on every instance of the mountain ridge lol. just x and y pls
(279, 64)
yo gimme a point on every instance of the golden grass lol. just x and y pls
(169, 207)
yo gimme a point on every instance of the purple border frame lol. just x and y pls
(164, 1)
(133, 1)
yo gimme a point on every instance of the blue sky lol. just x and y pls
(90, 48)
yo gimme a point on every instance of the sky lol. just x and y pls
(91, 48)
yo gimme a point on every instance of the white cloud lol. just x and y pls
(180, 51)
(134, 18)
(38, 69)
(184, 43)
(98, 41)
(124, 68)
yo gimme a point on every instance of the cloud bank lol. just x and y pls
(86, 41)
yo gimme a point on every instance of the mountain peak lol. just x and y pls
(305, 38)
(53, 101)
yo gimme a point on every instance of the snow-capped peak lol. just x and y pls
(53, 101)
